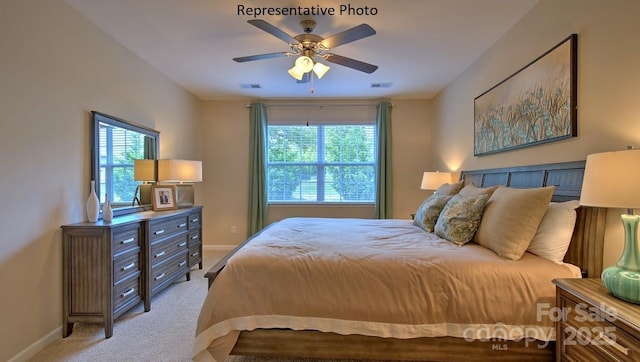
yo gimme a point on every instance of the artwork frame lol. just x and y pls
(537, 104)
(163, 197)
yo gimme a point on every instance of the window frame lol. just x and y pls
(321, 165)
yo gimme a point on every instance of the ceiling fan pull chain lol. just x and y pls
(312, 76)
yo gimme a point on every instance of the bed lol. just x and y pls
(282, 313)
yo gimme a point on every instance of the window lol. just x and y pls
(321, 163)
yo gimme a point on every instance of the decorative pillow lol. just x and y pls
(554, 233)
(428, 211)
(511, 219)
(460, 218)
(472, 189)
(450, 189)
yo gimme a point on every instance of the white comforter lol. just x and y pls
(384, 278)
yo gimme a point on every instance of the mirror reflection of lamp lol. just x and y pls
(184, 173)
(145, 171)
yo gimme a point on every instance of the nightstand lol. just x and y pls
(593, 325)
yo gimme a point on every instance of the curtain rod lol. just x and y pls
(311, 105)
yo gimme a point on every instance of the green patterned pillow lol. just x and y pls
(428, 211)
(460, 218)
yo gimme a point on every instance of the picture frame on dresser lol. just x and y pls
(163, 197)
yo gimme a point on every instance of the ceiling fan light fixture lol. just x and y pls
(304, 63)
(320, 69)
(296, 72)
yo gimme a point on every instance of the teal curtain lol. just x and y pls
(384, 194)
(257, 171)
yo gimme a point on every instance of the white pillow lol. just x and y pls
(554, 233)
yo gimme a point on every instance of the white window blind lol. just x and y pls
(321, 163)
(121, 147)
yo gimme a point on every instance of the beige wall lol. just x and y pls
(55, 67)
(225, 134)
(608, 83)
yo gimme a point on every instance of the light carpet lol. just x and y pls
(165, 333)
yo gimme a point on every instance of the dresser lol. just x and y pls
(110, 267)
(593, 325)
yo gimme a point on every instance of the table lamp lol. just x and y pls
(433, 179)
(611, 180)
(184, 173)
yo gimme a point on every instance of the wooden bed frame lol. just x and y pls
(585, 251)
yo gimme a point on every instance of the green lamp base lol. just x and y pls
(624, 284)
(623, 279)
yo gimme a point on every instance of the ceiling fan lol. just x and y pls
(307, 46)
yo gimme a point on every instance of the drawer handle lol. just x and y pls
(614, 344)
(161, 231)
(127, 293)
(160, 254)
(184, 243)
(195, 220)
(182, 263)
(182, 225)
(127, 267)
(195, 254)
(195, 236)
(159, 277)
(127, 241)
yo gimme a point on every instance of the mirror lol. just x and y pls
(116, 143)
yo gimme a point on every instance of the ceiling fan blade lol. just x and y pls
(349, 35)
(261, 56)
(273, 30)
(351, 63)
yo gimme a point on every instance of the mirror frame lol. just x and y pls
(96, 119)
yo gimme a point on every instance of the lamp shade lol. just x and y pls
(611, 179)
(296, 73)
(433, 180)
(179, 171)
(320, 69)
(304, 63)
(144, 170)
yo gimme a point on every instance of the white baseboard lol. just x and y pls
(218, 247)
(38, 346)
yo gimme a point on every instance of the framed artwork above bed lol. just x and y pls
(535, 105)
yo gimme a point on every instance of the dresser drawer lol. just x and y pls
(168, 270)
(126, 266)
(125, 238)
(159, 229)
(195, 247)
(194, 255)
(127, 292)
(167, 248)
(194, 237)
(195, 220)
(588, 325)
(610, 344)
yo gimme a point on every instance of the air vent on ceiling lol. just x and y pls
(250, 86)
(381, 85)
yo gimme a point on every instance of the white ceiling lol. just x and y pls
(420, 45)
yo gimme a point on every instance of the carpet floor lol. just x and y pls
(165, 333)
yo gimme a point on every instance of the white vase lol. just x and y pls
(93, 204)
(107, 211)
